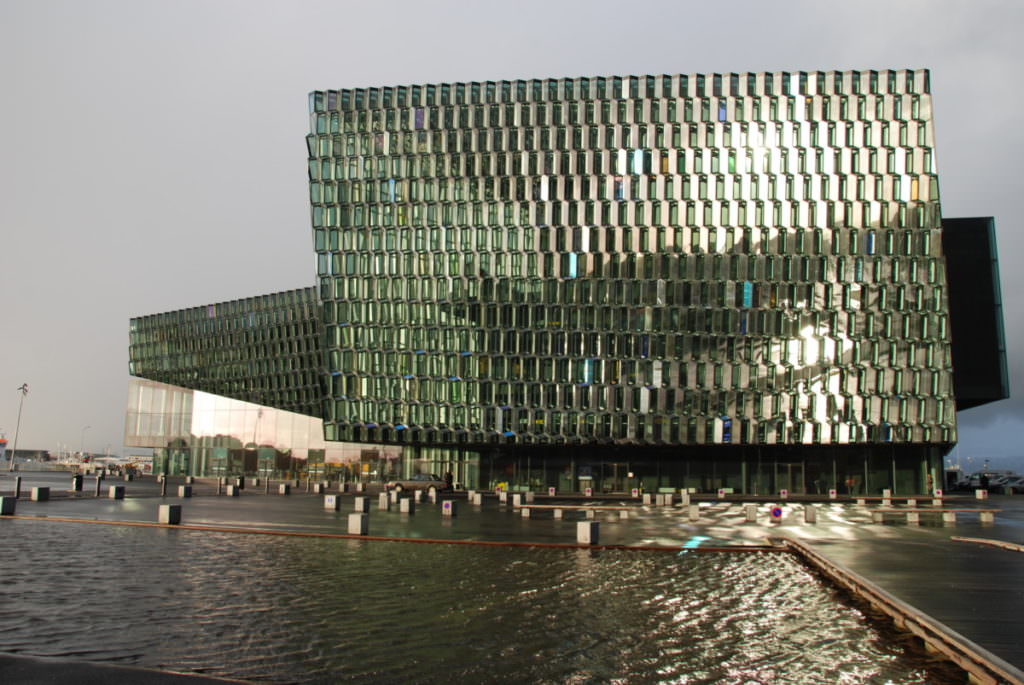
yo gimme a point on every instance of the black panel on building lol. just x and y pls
(976, 311)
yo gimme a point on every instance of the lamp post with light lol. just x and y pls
(81, 443)
(24, 391)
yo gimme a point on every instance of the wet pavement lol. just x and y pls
(974, 590)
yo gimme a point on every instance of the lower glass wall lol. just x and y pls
(195, 433)
(199, 434)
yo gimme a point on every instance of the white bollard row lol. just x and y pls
(358, 523)
(332, 503)
(169, 514)
(116, 492)
(588, 532)
(40, 494)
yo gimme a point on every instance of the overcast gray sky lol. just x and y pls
(152, 154)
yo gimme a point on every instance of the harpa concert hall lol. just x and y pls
(711, 281)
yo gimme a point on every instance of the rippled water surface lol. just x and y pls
(314, 610)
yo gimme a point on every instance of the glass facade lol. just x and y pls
(706, 281)
(197, 433)
(723, 259)
(264, 349)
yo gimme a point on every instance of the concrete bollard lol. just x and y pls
(525, 512)
(184, 491)
(588, 532)
(551, 492)
(588, 492)
(684, 498)
(406, 505)
(913, 517)
(557, 513)
(40, 494)
(318, 488)
(190, 480)
(99, 481)
(7, 506)
(861, 501)
(949, 517)
(783, 494)
(343, 488)
(17, 487)
(832, 494)
(503, 497)
(590, 513)
(810, 513)
(332, 503)
(384, 501)
(254, 482)
(239, 483)
(668, 499)
(694, 511)
(417, 496)
(634, 493)
(169, 514)
(721, 493)
(358, 523)
(624, 514)
(361, 504)
(163, 487)
(128, 477)
(980, 494)
(393, 495)
(477, 498)
(911, 502)
(876, 517)
(432, 495)
(284, 489)
(886, 502)
(517, 499)
(220, 486)
(360, 487)
(750, 511)
(232, 491)
(76, 483)
(986, 517)
(448, 507)
(648, 498)
(886, 492)
(528, 497)
(115, 492)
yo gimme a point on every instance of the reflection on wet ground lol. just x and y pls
(313, 610)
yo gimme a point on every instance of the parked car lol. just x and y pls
(1016, 484)
(420, 481)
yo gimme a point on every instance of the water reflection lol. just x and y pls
(312, 610)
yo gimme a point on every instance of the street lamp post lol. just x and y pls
(81, 443)
(17, 429)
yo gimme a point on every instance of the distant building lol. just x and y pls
(688, 281)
